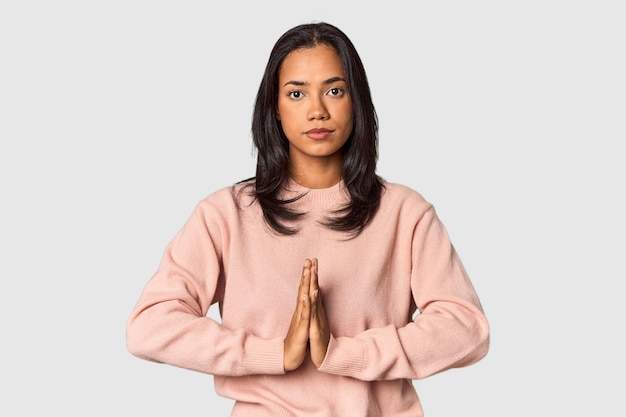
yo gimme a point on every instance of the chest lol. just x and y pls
(364, 282)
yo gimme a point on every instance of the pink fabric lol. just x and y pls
(370, 285)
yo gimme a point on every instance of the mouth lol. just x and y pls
(318, 134)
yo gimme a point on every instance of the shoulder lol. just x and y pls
(400, 195)
(229, 199)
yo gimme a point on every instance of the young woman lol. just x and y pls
(336, 288)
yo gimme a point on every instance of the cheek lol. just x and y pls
(349, 121)
(287, 124)
(286, 119)
(285, 113)
(348, 115)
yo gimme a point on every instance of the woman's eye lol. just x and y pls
(295, 94)
(336, 91)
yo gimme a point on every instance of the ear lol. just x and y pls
(277, 115)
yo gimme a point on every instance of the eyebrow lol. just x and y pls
(325, 82)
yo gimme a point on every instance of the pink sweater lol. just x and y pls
(371, 287)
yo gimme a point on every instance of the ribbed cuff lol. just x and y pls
(345, 356)
(264, 356)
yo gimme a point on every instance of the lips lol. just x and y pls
(318, 134)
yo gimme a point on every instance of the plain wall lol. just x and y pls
(117, 117)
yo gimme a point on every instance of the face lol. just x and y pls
(314, 105)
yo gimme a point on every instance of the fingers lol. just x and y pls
(313, 284)
(303, 302)
(297, 340)
(309, 328)
(314, 291)
(319, 333)
(305, 280)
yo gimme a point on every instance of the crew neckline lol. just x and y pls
(334, 194)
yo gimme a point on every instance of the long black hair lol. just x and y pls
(360, 152)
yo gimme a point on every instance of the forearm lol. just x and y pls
(445, 336)
(173, 333)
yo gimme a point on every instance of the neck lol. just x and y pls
(323, 177)
(316, 173)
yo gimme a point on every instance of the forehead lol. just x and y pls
(319, 62)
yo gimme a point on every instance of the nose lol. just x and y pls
(317, 109)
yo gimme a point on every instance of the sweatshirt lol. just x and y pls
(399, 303)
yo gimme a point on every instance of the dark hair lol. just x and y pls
(360, 152)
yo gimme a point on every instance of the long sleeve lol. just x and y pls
(449, 331)
(399, 303)
(169, 322)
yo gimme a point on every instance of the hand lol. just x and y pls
(319, 333)
(296, 342)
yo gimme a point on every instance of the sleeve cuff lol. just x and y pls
(264, 356)
(345, 356)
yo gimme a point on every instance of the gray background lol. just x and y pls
(116, 117)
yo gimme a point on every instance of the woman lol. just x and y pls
(336, 288)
